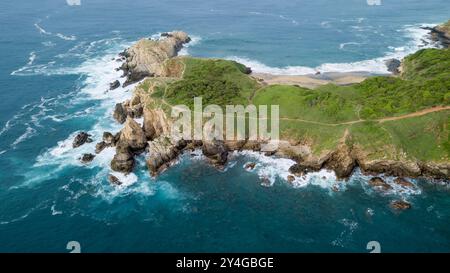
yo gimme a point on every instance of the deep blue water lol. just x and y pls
(56, 64)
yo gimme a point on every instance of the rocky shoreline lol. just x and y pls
(147, 58)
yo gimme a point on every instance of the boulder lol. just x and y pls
(114, 180)
(216, 151)
(86, 158)
(162, 151)
(133, 135)
(81, 139)
(250, 166)
(404, 183)
(290, 178)
(400, 205)
(123, 160)
(114, 85)
(379, 183)
(99, 147)
(120, 113)
(393, 65)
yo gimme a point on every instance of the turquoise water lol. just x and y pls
(57, 63)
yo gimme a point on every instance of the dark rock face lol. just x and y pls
(133, 77)
(109, 138)
(379, 183)
(114, 85)
(393, 65)
(248, 70)
(341, 162)
(123, 160)
(216, 151)
(400, 205)
(120, 113)
(81, 139)
(86, 158)
(114, 180)
(438, 34)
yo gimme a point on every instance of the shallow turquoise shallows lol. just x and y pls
(56, 63)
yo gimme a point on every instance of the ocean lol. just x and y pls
(57, 62)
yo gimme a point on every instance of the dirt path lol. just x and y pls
(417, 114)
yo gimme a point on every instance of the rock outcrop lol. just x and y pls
(162, 151)
(216, 151)
(441, 34)
(133, 135)
(378, 183)
(81, 139)
(87, 158)
(400, 205)
(123, 160)
(393, 66)
(114, 85)
(146, 57)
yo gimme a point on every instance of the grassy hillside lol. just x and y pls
(320, 117)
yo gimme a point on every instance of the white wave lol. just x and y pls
(54, 211)
(42, 30)
(48, 44)
(195, 40)
(29, 132)
(343, 45)
(2, 152)
(31, 58)
(281, 16)
(418, 38)
(67, 38)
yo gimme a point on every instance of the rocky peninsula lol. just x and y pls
(333, 132)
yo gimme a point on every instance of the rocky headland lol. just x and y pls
(149, 59)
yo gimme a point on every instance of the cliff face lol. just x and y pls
(441, 34)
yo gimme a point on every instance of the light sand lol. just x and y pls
(311, 81)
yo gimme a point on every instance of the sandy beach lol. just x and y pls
(312, 81)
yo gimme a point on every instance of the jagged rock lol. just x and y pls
(216, 151)
(298, 170)
(155, 123)
(250, 166)
(441, 34)
(114, 85)
(120, 113)
(436, 170)
(393, 65)
(379, 183)
(341, 162)
(400, 205)
(133, 135)
(123, 160)
(109, 138)
(248, 70)
(99, 147)
(81, 139)
(390, 167)
(162, 151)
(114, 180)
(290, 178)
(86, 158)
(404, 183)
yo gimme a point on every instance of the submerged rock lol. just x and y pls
(379, 183)
(265, 182)
(86, 158)
(404, 183)
(400, 205)
(250, 166)
(290, 178)
(81, 139)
